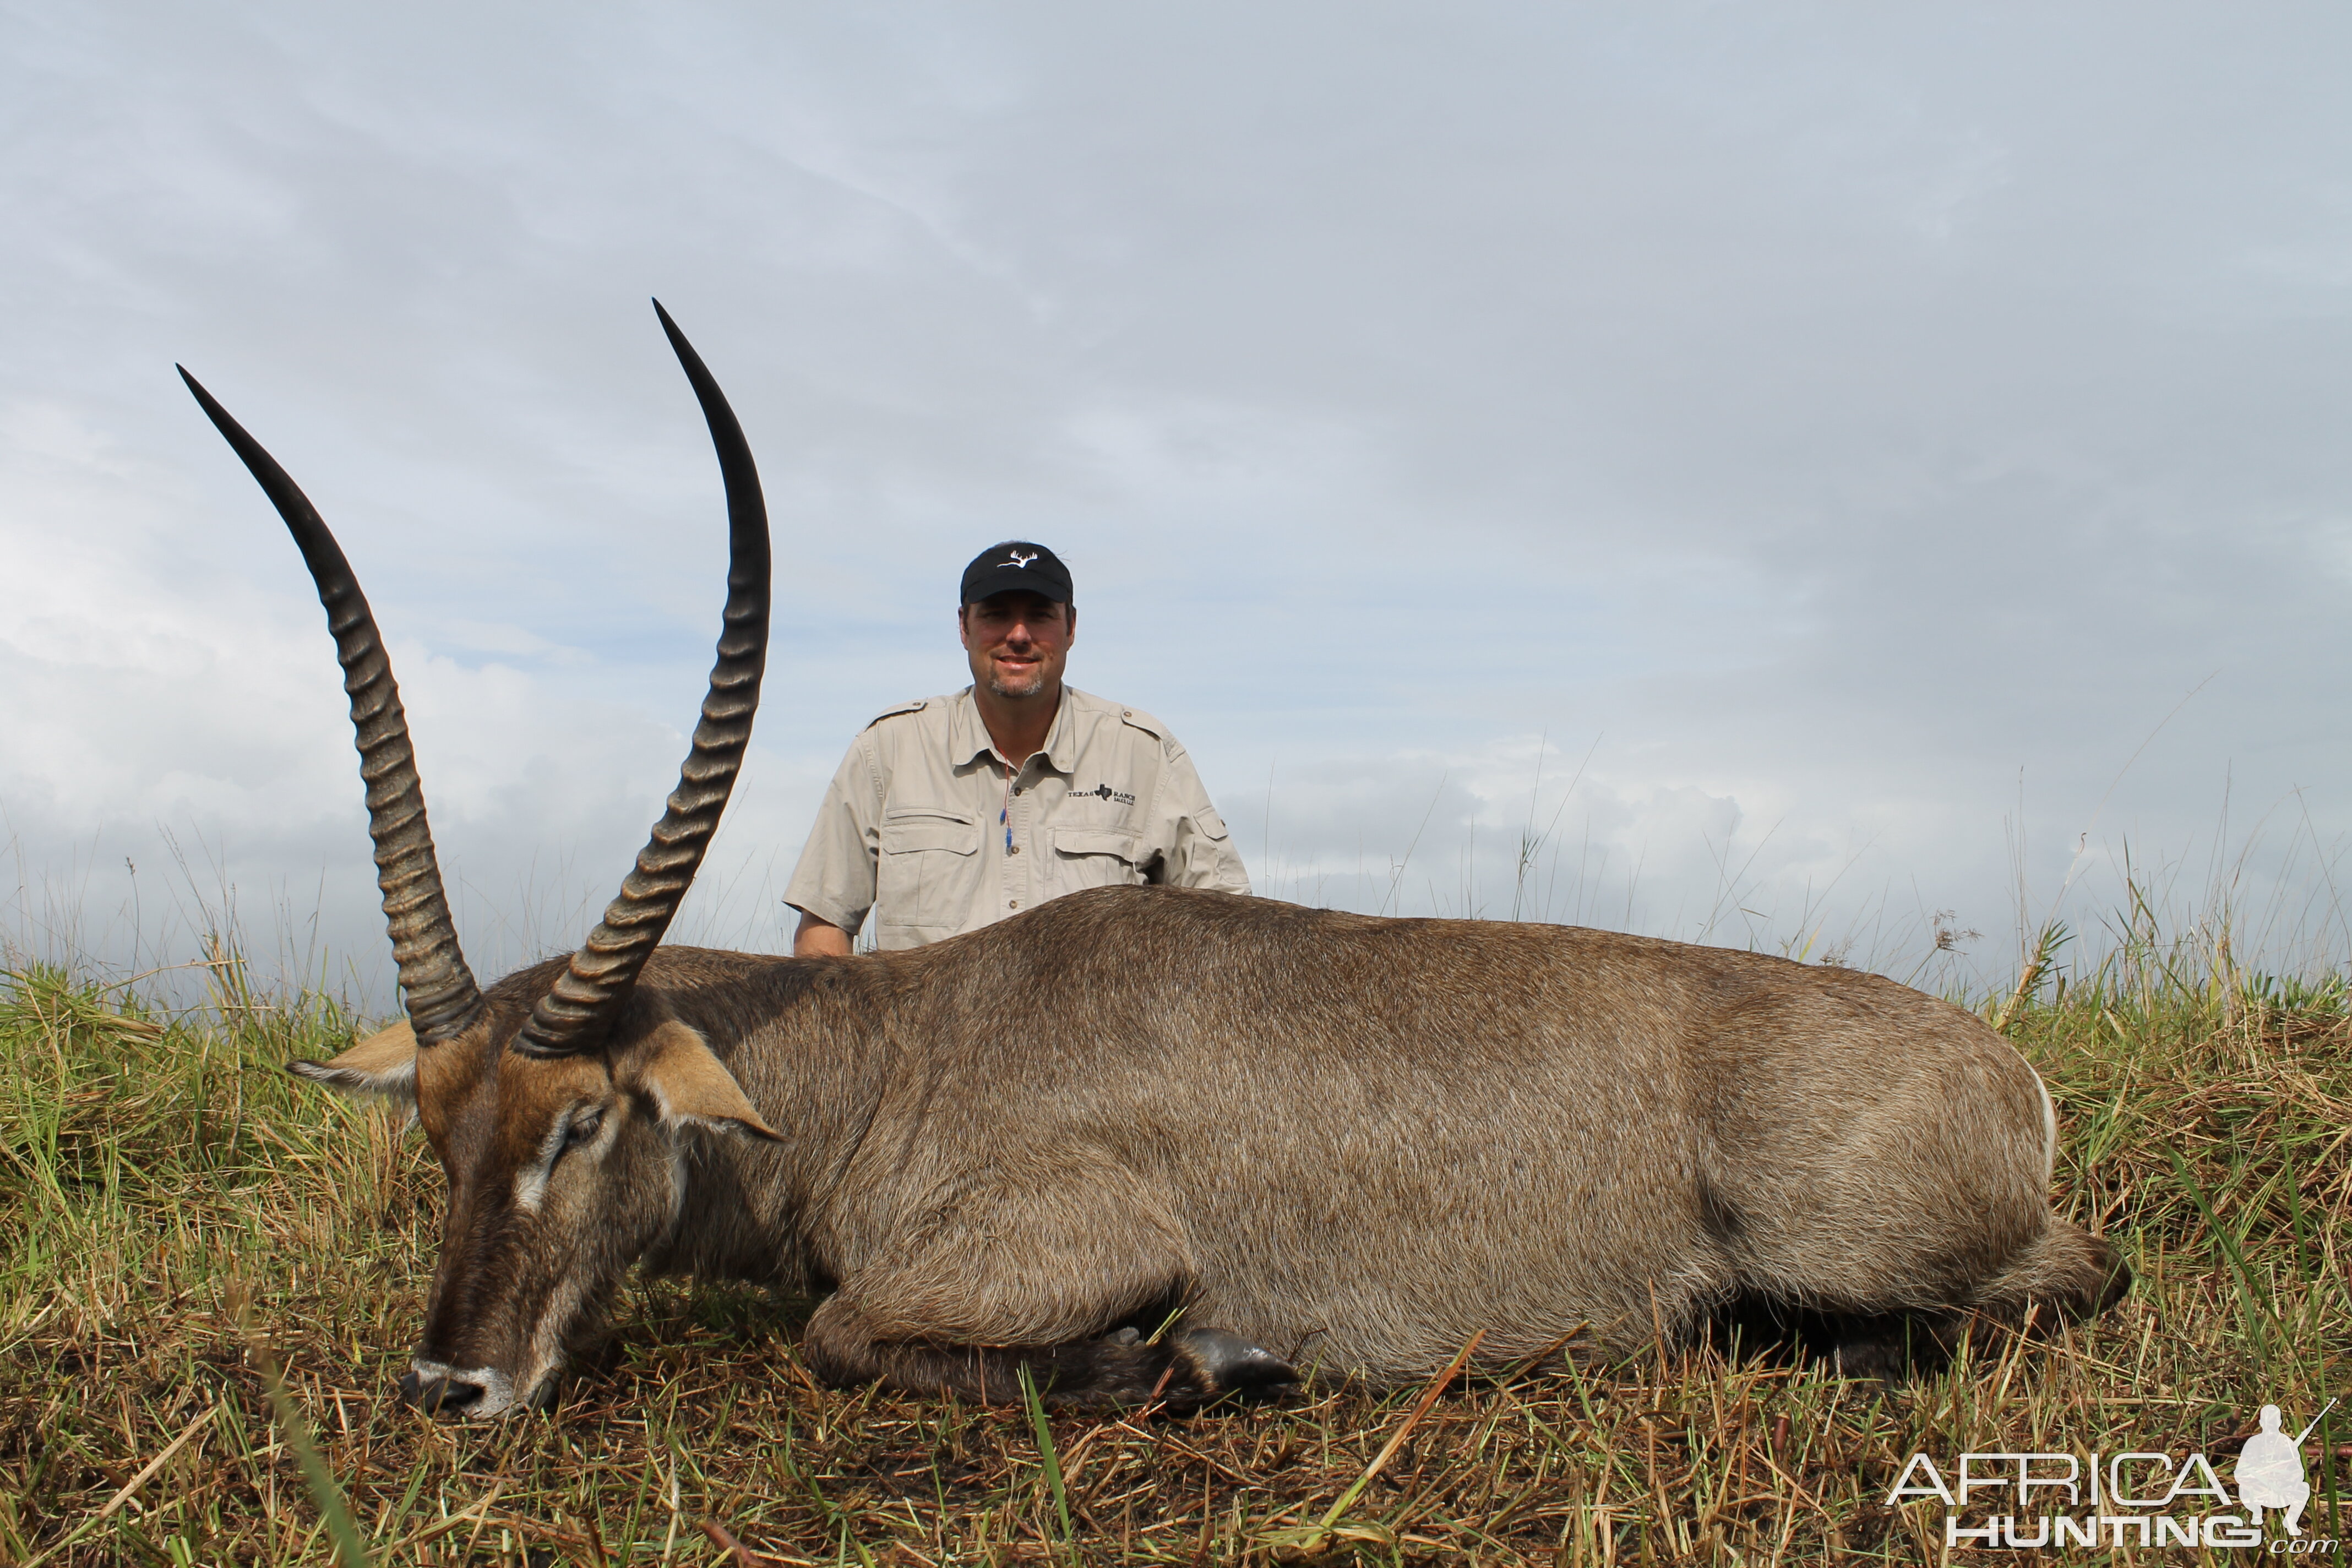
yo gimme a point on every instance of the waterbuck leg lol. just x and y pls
(1048, 1260)
(1183, 1369)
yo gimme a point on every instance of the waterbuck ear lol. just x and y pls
(692, 1086)
(385, 1063)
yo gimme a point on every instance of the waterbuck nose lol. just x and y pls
(438, 1395)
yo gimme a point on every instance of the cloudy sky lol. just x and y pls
(1808, 467)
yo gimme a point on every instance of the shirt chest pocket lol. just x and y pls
(1094, 858)
(926, 864)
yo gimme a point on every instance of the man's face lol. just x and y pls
(1017, 642)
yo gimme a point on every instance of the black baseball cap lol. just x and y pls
(1016, 566)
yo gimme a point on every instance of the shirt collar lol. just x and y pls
(1061, 740)
(968, 739)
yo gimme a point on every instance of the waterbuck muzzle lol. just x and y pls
(553, 1103)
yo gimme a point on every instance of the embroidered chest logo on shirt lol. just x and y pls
(1104, 792)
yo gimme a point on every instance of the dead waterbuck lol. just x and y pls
(1306, 1138)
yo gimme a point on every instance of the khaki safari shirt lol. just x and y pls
(928, 826)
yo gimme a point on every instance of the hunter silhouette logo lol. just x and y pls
(2270, 1471)
(2139, 1498)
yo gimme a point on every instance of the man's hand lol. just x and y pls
(819, 939)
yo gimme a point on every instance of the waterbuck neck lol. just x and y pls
(809, 1042)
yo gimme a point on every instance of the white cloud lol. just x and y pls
(1827, 420)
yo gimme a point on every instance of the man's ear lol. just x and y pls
(692, 1087)
(385, 1063)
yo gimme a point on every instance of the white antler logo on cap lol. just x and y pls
(1018, 560)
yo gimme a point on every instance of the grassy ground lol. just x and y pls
(176, 1216)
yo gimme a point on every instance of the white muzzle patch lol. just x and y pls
(498, 1389)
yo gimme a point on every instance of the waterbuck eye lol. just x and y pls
(583, 1126)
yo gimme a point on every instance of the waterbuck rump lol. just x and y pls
(1151, 1144)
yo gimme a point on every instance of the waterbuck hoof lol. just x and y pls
(1228, 1362)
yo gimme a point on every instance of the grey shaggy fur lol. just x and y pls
(1333, 1139)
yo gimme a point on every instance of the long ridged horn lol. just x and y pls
(439, 989)
(571, 1018)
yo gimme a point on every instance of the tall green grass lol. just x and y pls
(165, 1188)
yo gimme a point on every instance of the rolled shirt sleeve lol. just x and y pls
(835, 881)
(1196, 850)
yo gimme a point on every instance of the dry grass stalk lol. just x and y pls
(148, 1163)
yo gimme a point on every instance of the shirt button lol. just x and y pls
(1012, 903)
(1013, 849)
